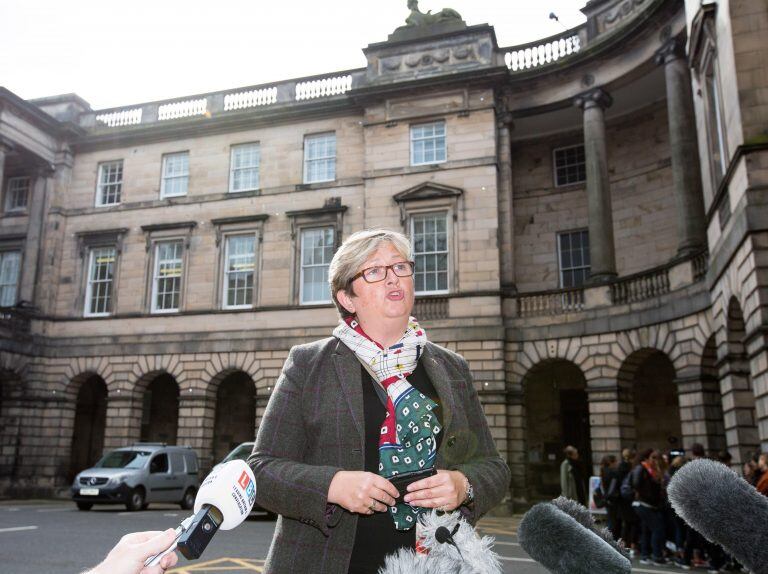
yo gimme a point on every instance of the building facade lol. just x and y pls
(588, 214)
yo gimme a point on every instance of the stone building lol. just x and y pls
(588, 214)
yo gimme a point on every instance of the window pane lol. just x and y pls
(430, 248)
(319, 158)
(239, 270)
(110, 183)
(574, 258)
(175, 174)
(17, 193)
(100, 281)
(428, 143)
(317, 247)
(167, 279)
(10, 261)
(570, 166)
(244, 169)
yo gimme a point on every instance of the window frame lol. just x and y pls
(555, 166)
(448, 243)
(560, 269)
(225, 265)
(7, 199)
(334, 246)
(100, 185)
(709, 68)
(88, 285)
(154, 275)
(232, 169)
(307, 160)
(164, 177)
(4, 252)
(444, 137)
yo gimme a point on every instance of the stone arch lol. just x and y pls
(221, 365)
(150, 366)
(81, 368)
(648, 378)
(556, 414)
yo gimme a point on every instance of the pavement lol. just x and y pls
(53, 537)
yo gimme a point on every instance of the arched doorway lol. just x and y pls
(656, 406)
(235, 414)
(557, 415)
(90, 421)
(160, 410)
(10, 424)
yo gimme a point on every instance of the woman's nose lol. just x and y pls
(392, 277)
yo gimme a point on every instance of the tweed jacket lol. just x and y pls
(313, 427)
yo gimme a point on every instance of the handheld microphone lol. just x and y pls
(224, 500)
(563, 546)
(724, 508)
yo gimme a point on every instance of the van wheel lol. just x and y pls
(136, 500)
(188, 502)
(84, 505)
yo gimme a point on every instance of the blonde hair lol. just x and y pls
(354, 252)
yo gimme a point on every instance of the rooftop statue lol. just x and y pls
(418, 18)
(419, 24)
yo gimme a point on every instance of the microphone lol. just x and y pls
(724, 508)
(563, 546)
(443, 535)
(224, 500)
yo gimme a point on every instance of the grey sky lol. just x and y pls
(117, 53)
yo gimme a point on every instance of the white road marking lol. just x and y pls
(18, 528)
(505, 543)
(171, 514)
(55, 509)
(516, 559)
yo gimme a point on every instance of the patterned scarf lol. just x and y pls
(407, 442)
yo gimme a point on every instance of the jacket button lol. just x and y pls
(451, 440)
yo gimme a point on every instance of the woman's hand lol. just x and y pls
(361, 492)
(445, 490)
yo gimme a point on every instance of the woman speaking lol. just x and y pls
(367, 428)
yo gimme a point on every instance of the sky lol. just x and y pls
(118, 53)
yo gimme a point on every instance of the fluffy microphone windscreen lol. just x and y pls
(725, 509)
(584, 517)
(563, 546)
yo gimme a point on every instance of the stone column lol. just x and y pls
(31, 256)
(505, 199)
(684, 151)
(701, 411)
(738, 408)
(3, 152)
(601, 246)
(611, 418)
(197, 412)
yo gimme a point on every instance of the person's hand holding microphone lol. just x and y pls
(129, 555)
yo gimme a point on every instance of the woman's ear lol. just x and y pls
(345, 300)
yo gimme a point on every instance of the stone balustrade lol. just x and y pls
(545, 51)
(431, 307)
(630, 289)
(219, 103)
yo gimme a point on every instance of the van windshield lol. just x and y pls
(240, 453)
(124, 459)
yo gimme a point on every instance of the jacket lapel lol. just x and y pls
(348, 372)
(437, 373)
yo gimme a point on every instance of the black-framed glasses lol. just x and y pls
(379, 272)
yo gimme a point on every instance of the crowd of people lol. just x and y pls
(633, 491)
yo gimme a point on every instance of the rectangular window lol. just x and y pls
(428, 143)
(239, 271)
(166, 278)
(244, 167)
(319, 158)
(570, 165)
(17, 194)
(110, 184)
(429, 233)
(175, 175)
(573, 253)
(10, 265)
(716, 133)
(317, 246)
(101, 272)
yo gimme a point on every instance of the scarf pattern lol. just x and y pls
(407, 439)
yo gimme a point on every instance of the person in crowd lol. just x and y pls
(629, 520)
(350, 412)
(130, 553)
(762, 466)
(572, 477)
(647, 481)
(751, 471)
(610, 487)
